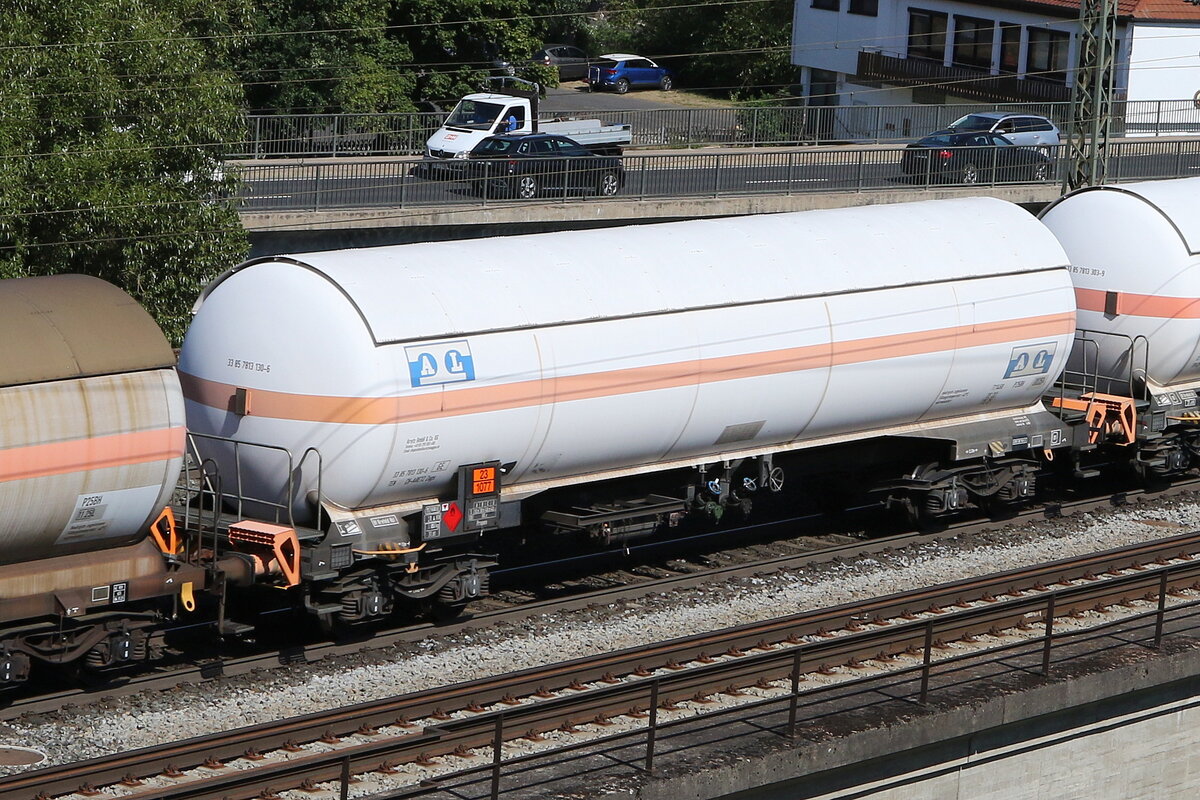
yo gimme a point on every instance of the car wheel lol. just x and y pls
(666, 84)
(608, 185)
(527, 187)
(970, 174)
(1041, 172)
(622, 86)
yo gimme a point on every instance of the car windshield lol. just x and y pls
(937, 141)
(475, 115)
(973, 122)
(493, 146)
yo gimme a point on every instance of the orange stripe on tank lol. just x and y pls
(97, 452)
(447, 402)
(1139, 305)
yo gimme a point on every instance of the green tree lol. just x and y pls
(455, 44)
(731, 49)
(325, 56)
(115, 119)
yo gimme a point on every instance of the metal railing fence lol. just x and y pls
(404, 184)
(335, 135)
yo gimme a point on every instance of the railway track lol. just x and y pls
(493, 724)
(640, 570)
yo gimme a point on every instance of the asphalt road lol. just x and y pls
(389, 184)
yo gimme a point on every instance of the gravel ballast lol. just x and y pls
(223, 704)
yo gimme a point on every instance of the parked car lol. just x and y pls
(620, 71)
(525, 165)
(1020, 129)
(572, 62)
(973, 157)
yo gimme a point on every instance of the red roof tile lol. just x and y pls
(1166, 10)
(1151, 10)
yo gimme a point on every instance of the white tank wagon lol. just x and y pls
(569, 358)
(91, 443)
(1135, 263)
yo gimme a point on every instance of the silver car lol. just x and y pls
(572, 63)
(1025, 130)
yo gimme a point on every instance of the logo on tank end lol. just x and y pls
(444, 362)
(1030, 359)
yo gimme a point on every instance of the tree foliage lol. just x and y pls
(737, 49)
(325, 56)
(114, 117)
(457, 44)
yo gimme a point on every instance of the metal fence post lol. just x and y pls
(1162, 610)
(859, 170)
(316, 203)
(795, 699)
(258, 137)
(497, 753)
(688, 132)
(878, 137)
(928, 660)
(652, 726)
(790, 170)
(345, 791)
(1049, 639)
(717, 177)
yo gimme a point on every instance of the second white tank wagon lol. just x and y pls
(1135, 255)
(576, 356)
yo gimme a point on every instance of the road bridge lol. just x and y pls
(282, 231)
(306, 204)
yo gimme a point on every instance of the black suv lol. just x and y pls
(529, 164)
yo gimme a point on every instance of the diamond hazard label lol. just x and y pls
(452, 516)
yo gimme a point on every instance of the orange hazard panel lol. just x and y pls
(1108, 414)
(164, 533)
(269, 543)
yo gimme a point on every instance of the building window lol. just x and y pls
(828, 5)
(973, 41)
(867, 8)
(926, 34)
(1010, 47)
(1048, 55)
(822, 87)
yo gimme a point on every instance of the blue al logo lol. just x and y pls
(1030, 359)
(444, 362)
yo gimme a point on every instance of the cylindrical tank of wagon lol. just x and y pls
(92, 432)
(1135, 263)
(563, 355)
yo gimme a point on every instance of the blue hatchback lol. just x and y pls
(620, 71)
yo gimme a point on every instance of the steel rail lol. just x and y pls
(913, 615)
(310, 653)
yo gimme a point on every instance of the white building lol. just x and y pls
(892, 52)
